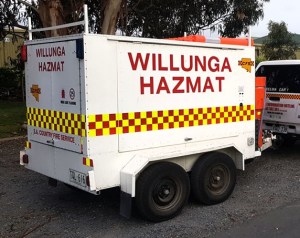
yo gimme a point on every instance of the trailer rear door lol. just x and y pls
(53, 94)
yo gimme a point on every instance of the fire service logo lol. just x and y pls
(35, 91)
(247, 64)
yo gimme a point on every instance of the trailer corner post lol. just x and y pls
(86, 19)
(29, 28)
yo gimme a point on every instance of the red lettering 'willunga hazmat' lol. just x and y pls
(184, 64)
(188, 63)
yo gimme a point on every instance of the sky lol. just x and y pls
(277, 11)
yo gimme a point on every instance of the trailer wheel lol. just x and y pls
(161, 191)
(213, 178)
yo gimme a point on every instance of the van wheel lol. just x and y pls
(283, 141)
(279, 142)
(161, 191)
(213, 178)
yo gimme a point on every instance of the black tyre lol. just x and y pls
(279, 142)
(213, 178)
(283, 141)
(161, 191)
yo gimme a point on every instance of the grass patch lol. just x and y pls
(12, 117)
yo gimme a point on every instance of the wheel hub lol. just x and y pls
(219, 179)
(164, 192)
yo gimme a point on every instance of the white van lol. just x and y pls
(282, 109)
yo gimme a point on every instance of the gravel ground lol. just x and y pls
(30, 208)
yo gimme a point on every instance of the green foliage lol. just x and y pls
(12, 117)
(172, 18)
(155, 18)
(258, 60)
(96, 14)
(279, 44)
(8, 78)
(12, 80)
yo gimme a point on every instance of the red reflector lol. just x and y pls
(88, 162)
(28, 145)
(25, 159)
(24, 53)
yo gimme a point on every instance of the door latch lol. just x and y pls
(50, 142)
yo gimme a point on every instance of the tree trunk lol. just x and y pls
(111, 12)
(51, 14)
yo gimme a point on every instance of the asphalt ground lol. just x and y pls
(264, 203)
(282, 222)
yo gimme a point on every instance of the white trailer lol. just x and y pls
(156, 118)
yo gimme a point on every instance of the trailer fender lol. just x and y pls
(128, 179)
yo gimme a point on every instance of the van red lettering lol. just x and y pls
(56, 51)
(139, 60)
(226, 65)
(214, 66)
(172, 67)
(154, 62)
(208, 85)
(220, 79)
(163, 86)
(183, 62)
(160, 64)
(144, 85)
(200, 64)
(196, 87)
(57, 66)
(179, 83)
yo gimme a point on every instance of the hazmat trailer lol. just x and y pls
(157, 118)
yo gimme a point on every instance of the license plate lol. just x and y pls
(78, 178)
(279, 129)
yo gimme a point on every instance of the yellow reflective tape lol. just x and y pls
(154, 114)
(143, 115)
(99, 124)
(92, 118)
(92, 133)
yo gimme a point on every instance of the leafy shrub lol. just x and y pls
(12, 81)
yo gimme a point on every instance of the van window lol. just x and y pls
(281, 78)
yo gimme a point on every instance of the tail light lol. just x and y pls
(260, 93)
(24, 53)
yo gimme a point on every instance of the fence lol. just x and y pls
(9, 50)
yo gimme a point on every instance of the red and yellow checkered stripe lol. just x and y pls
(284, 96)
(65, 122)
(133, 122)
(122, 123)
